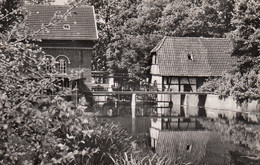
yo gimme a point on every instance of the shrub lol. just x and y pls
(130, 159)
(111, 140)
(61, 134)
(35, 129)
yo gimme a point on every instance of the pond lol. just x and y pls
(174, 132)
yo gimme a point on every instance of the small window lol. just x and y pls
(190, 57)
(154, 58)
(49, 64)
(66, 27)
(62, 66)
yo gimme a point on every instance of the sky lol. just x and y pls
(59, 2)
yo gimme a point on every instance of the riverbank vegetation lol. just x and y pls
(44, 130)
(37, 128)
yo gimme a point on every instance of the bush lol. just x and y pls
(58, 133)
(111, 140)
(47, 135)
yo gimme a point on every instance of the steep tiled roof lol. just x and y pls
(81, 21)
(210, 56)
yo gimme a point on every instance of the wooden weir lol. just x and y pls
(160, 102)
(148, 92)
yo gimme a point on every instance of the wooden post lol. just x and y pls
(76, 94)
(178, 122)
(133, 104)
(133, 126)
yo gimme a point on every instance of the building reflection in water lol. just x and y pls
(174, 132)
(184, 139)
(159, 124)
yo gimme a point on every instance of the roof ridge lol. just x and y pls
(46, 5)
(210, 38)
(159, 45)
(95, 20)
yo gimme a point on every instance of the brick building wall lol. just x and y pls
(76, 58)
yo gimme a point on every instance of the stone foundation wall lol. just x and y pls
(212, 105)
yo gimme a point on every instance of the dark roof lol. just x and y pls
(81, 21)
(210, 56)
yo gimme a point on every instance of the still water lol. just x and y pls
(173, 132)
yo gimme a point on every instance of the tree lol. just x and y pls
(37, 129)
(131, 54)
(243, 81)
(11, 11)
(111, 15)
(246, 20)
(129, 48)
(198, 18)
(127, 28)
(7, 15)
(146, 21)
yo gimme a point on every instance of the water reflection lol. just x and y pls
(198, 147)
(137, 127)
(176, 123)
(173, 131)
(185, 139)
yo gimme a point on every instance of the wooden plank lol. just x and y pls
(178, 117)
(147, 92)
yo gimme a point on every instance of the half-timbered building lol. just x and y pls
(184, 63)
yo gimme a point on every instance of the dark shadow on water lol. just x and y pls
(201, 105)
(202, 112)
(182, 112)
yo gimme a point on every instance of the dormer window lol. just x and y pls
(66, 27)
(190, 56)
